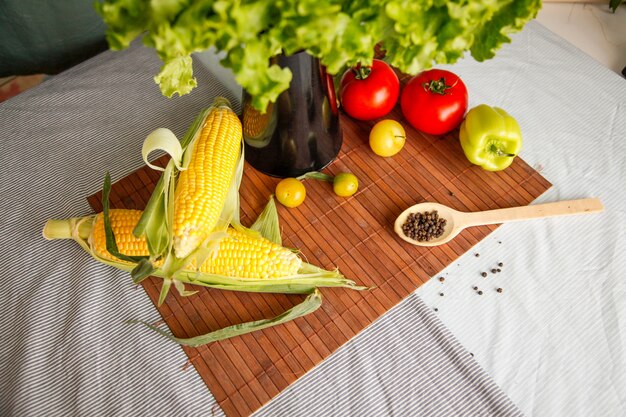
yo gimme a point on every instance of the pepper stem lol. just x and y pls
(500, 152)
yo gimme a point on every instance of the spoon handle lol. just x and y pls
(536, 211)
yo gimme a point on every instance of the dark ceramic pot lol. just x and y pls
(300, 132)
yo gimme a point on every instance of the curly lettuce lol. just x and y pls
(415, 34)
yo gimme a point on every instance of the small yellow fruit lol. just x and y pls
(290, 192)
(345, 184)
(387, 137)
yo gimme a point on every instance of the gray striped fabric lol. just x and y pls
(65, 349)
(428, 373)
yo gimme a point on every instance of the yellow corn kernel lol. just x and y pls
(202, 188)
(254, 122)
(244, 256)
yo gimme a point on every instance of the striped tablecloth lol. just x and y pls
(65, 349)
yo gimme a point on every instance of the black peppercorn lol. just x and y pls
(484, 274)
(441, 294)
(441, 279)
(493, 271)
(499, 290)
(500, 264)
(480, 293)
(475, 288)
(423, 226)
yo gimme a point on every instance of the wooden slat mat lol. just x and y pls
(354, 234)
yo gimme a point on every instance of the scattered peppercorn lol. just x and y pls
(441, 279)
(471, 354)
(493, 271)
(436, 309)
(500, 264)
(424, 226)
(499, 290)
(475, 288)
(477, 254)
(499, 270)
(499, 242)
(484, 274)
(480, 293)
(441, 294)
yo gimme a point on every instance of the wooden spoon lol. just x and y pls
(459, 220)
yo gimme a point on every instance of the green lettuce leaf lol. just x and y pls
(508, 19)
(176, 76)
(250, 33)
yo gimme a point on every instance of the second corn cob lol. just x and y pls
(239, 255)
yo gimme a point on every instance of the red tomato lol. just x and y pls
(434, 101)
(370, 97)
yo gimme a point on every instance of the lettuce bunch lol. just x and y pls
(250, 33)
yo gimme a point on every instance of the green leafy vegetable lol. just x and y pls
(415, 34)
(614, 4)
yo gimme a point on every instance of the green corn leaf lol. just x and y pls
(311, 303)
(143, 270)
(267, 223)
(307, 278)
(165, 140)
(165, 289)
(157, 236)
(180, 287)
(157, 222)
(154, 204)
(111, 244)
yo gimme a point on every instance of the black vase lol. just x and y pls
(300, 132)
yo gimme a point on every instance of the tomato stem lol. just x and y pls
(361, 73)
(437, 86)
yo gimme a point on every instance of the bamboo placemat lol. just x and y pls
(354, 234)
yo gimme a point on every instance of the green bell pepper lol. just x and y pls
(490, 137)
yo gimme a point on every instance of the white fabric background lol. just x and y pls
(554, 340)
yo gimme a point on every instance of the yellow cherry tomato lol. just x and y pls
(387, 137)
(345, 184)
(290, 192)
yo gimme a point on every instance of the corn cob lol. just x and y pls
(239, 255)
(202, 188)
(255, 123)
